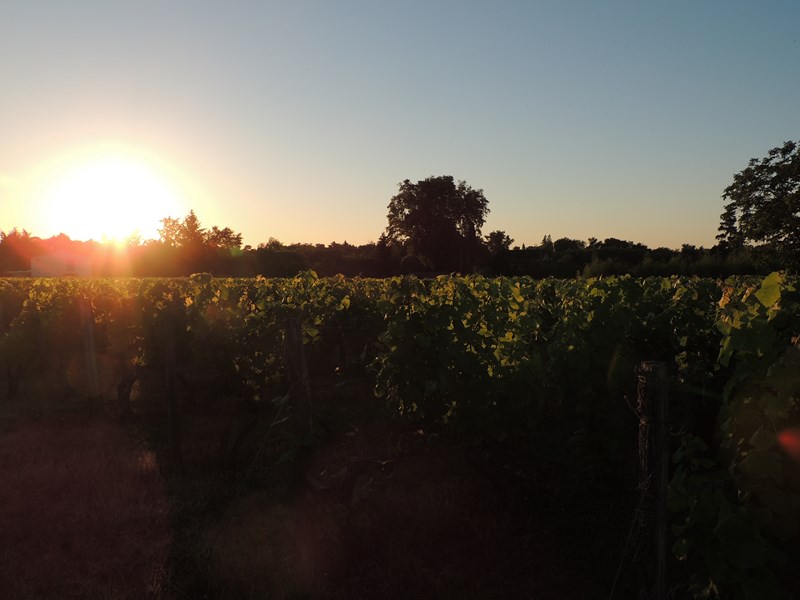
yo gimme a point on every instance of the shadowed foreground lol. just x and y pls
(82, 513)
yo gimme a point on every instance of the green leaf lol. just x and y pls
(770, 291)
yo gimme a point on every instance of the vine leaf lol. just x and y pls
(770, 291)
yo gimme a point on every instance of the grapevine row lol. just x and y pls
(492, 358)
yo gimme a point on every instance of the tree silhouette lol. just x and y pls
(16, 249)
(763, 205)
(498, 242)
(566, 244)
(439, 221)
(188, 247)
(188, 234)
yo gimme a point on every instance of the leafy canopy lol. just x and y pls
(439, 220)
(763, 205)
(189, 234)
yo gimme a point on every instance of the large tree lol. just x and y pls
(185, 246)
(188, 234)
(763, 205)
(439, 221)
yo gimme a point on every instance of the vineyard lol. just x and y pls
(510, 368)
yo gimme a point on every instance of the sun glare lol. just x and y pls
(108, 198)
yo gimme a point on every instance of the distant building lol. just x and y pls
(61, 264)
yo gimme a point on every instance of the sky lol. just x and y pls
(297, 120)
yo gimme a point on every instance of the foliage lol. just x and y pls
(193, 248)
(717, 536)
(440, 220)
(16, 248)
(763, 205)
(185, 247)
(741, 502)
(762, 399)
(492, 357)
(189, 234)
(496, 355)
(498, 242)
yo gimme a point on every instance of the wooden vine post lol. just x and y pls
(300, 389)
(169, 326)
(652, 410)
(3, 331)
(93, 391)
(11, 380)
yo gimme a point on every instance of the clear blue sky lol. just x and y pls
(296, 120)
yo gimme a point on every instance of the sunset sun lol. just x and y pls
(108, 197)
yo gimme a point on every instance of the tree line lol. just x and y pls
(435, 226)
(563, 257)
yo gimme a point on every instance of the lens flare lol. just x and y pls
(789, 439)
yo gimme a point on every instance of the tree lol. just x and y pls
(170, 232)
(272, 244)
(498, 245)
(189, 235)
(566, 244)
(440, 222)
(223, 239)
(182, 234)
(186, 246)
(763, 205)
(498, 242)
(16, 249)
(385, 260)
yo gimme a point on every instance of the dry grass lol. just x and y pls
(82, 513)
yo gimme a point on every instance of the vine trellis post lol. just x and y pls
(93, 391)
(169, 329)
(652, 409)
(11, 380)
(297, 368)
